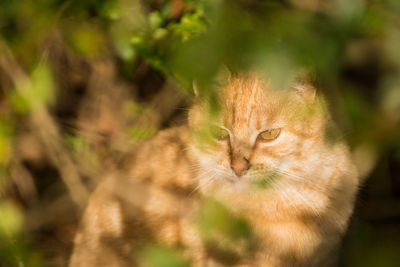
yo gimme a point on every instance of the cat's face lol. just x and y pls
(258, 135)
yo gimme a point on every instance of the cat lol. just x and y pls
(269, 156)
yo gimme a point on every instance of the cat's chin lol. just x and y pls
(240, 185)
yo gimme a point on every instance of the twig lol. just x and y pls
(46, 130)
(23, 181)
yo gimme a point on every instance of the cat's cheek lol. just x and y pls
(286, 145)
(243, 186)
(222, 163)
(221, 155)
(215, 159)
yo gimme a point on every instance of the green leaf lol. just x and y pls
(215, 221)
(159, 256)
(11, 219)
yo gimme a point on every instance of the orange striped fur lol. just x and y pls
(298, 217)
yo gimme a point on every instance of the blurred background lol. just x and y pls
(82, 82)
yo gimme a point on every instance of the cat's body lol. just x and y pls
(278, 138)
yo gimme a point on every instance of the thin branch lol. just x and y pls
(46, 130)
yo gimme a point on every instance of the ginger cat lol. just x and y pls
(265, 155)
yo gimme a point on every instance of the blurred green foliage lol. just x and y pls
(352, 46)
(6, 134)
(226, 236)
(36, 92)
(158, 256)
(140, 133)
(216, 221)
(14, 249)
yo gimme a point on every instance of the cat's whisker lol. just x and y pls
(201, 170)
(200, 166)
(309, 203)
(212, 172)
(203, 184)
(203, 174)
(196, 166)
(307, 184)
(280, 187)
(292, 175)
(283, 195)
(289, 196)
(298, 178)
(186, 149)
(208, 183)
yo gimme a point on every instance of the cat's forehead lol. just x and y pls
(249, 102)
(244, 88)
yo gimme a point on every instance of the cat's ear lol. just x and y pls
(306, 90)
(303, 85)
(223, 75)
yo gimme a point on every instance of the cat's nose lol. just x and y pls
(240, 166)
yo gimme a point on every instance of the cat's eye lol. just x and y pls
(220, 133)
(269, 135)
